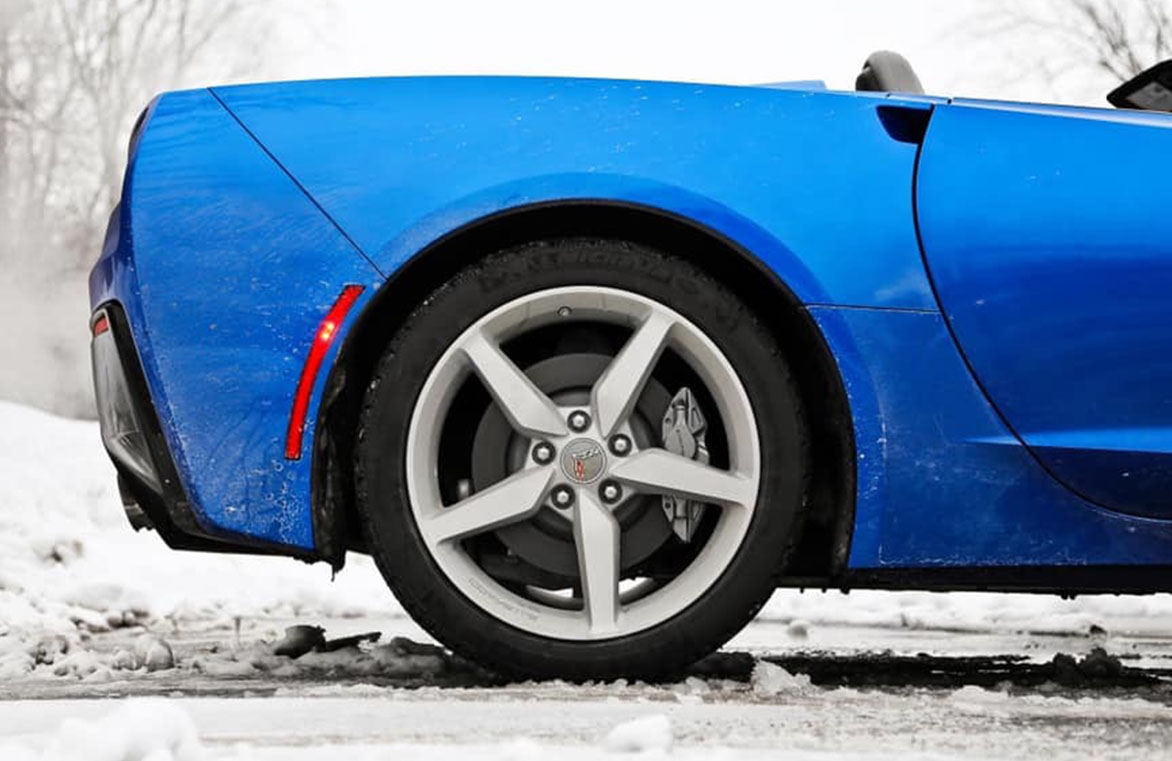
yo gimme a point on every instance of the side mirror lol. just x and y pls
(1148, 91)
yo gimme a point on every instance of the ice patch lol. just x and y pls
(769, 679)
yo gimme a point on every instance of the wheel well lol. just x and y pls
(825, 541)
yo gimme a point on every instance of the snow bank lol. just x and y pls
(146, 729)
(970, 612)
(70, 564)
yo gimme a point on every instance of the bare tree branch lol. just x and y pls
(73, 75)
(1118, 37)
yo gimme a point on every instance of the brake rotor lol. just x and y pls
(546, 541)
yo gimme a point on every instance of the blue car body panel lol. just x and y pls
(225, 268)
(247, 210)
(795, 177)
(1058, 283)
(941, 481)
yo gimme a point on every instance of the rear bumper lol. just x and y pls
(152, 494)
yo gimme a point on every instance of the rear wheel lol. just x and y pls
(582, 459)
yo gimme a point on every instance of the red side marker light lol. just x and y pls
(317, 352)
(100, 326)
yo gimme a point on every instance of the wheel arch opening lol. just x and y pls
(825, 542)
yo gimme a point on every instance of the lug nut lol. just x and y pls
(561, 496)
(610, 492)
(578, 420)
(620, 444)
(543, 453)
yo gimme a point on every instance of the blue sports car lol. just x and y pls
(591, 367)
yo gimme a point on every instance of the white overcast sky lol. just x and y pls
(726, 41)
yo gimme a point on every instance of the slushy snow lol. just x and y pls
(71, 566)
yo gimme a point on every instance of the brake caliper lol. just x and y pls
(683, 434)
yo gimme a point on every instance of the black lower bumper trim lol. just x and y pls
(134, 513)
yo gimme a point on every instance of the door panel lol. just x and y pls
(1048, 236)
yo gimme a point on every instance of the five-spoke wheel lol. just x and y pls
(579, 466)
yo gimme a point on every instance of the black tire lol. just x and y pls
(393, 536)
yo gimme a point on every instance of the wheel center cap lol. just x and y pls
(583, 460)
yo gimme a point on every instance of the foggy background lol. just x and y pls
(74, 74)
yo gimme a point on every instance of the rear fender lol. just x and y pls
(813, 183)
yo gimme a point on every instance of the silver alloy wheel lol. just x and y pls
(582, 462)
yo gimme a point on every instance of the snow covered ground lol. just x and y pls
(590, 723)
(89, 610)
